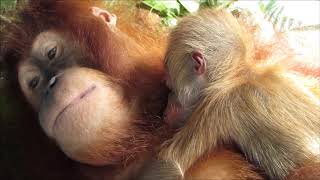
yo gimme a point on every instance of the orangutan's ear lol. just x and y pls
(199, 63)
(109, 18)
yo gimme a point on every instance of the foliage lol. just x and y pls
(274, 13)
(171, 10)
(7, 5)
(168, 10)
(217, 3)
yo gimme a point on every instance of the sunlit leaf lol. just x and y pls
(162, 5)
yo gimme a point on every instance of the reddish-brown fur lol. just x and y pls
(136, 62)
(222, 164)
(125, 59)
(307, 172)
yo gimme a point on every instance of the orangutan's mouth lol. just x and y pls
(75, 101)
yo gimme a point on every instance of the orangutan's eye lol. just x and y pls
(33, 83)
(52, 53)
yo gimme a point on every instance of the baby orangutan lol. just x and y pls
(230, 98)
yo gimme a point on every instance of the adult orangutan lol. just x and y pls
(98, 93)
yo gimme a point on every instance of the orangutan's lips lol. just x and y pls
(75, 101)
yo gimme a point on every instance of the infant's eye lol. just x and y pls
(52, 53)
(33, 83)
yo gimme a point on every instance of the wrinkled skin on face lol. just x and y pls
(97, 93)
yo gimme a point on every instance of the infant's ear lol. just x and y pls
(199, 63)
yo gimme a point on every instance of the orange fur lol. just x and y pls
(222, 164)
(245, 97)
(227, 164)
(309, 171)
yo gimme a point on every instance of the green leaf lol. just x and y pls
(155, 5)
(190, 5)
(164, 8)
(277, 17)
(261, 6)
(162, 5)
(216, 3)
(270, 5)
(7, 4)
(274, 13)
(284, 20)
